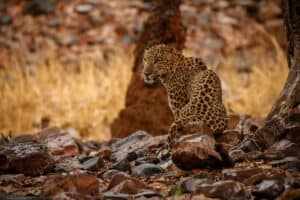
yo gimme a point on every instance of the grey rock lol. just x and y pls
(269, 189)
(225, 190)
(5, 20)
(137, 142)
(146, 170)
(115, 196)
(83, 8)
(122, 165)
(94, 163)
(38, 7)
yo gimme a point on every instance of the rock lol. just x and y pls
(190, 185)
(283, 148)
(164, 155)
(93, 164)
(241, 174)
(130, 186)
(105, 152)
(290, 194)
(115, 196)
(148, 195)
(165, 165)
(110, 173)
(38, 7)
(84, 8)
(269, 189)
(225, 190)
(284, 161)
(123, 184)
(131, 156)
(83, 184)
(237, 155)
(15, 197)
(68, 164)
(196, 151)
(229, 138)
(5, 20)
(146, 170)
(117, 179)
(59, 143)
(137, 143)
(248, 145)
(122, 165)
(25, 154)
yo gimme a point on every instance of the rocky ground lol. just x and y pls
(53, 165)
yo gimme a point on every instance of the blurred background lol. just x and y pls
(68, 63)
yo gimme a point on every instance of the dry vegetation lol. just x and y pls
(87, 98)
(254, 93)
(90, 97)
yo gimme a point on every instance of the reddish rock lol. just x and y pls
(147, 108)
(25, 154)
(82, 184)
(59, 143)
(195, 151)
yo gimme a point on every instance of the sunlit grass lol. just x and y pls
(87, 97)
(255, 93)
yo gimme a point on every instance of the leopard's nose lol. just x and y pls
(147, 73)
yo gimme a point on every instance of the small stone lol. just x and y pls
(122, 165)
(269, 189)
(82, 183)
(190, 185)
(5, 20)
(83, 8)
(225, 190)
(146, 170)
(105, 152)
(94, 164)
(117, 179)
(131, 156)
(284, 161)
(147, 195)
(240, 174)
(38, 7)
(290, 194)
(115, 196)
(110, 173)
(124, 184)
(164, 155)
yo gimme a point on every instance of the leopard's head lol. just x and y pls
(159, 63)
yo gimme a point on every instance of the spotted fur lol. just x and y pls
(194, 92)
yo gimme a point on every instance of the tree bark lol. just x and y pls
(284, 119)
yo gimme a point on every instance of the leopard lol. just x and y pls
(194, 91)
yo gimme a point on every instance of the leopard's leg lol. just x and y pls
(175, 131)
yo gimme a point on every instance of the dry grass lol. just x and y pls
(88, 98)
(254, 93)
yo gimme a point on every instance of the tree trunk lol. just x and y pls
(284, 119)
(147, 108)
